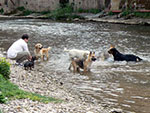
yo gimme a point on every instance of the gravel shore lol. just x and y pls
(38, 82)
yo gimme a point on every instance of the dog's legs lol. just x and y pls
(42, 57)
(47, 56)
(78, 69)
(70, 66)
(85, 69)
(75, 68)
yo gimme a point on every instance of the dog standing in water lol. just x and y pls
(122, 57)
(40, 52)
(84, 63)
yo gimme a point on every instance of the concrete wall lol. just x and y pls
(44, 5)
(115, 4)
(40, 5)
(34, 5)
(88, 4)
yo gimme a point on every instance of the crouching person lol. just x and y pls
(19, 50)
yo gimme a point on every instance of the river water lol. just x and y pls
(113, 84)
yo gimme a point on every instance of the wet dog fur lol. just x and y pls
(40, 52)
(84, 63)
(122, 57)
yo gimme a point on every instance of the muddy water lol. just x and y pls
(114, 84)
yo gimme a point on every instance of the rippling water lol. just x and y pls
(115, 84)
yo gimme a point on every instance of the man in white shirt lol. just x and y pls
(19, 50)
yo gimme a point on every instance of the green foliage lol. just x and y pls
(1, 111)
(21, 8)
(11, 91)
(2, 98)
(26, 12)
(126, 12)
(45, 12)
(111, 13)
(94, 11)
(4, 67)
(1, 11)
(62, 13)
(142, 15)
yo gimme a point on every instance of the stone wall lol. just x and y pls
(44, 5)
(115, 4)
(88, 4)
(40, 5)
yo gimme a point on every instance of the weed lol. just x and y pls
(4, 67)
(94, 11)
(1, 11)
(21, 8)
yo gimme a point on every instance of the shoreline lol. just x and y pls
(42, 83)
(89, 17)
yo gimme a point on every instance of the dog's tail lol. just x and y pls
(66, 50)
(49, 48)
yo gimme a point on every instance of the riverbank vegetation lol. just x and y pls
(129, 13)
(9, 91)
(62, 13)
(68, 13)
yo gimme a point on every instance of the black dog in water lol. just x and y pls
(122, 57)
(30, 64)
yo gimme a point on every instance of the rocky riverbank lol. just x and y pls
(42, 83)
(89, 17)
(114, 19)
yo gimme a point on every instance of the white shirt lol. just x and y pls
(18, 46)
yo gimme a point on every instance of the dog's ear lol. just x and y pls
(90, 52)
(36, 47)
(112, 46)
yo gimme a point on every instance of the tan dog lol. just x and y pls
(40, 52)
(84, 63)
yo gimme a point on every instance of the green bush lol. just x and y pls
(1, 11)
(126, 12)
(4, 67)
(142, 15)
(61, 13)
(94, 11)
(111, 13)
(21, 8)
(2, 98)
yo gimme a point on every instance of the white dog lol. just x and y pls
(77, 53)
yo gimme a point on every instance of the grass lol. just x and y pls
(11, 91)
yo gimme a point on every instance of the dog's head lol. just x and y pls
(91, 56)
(112, 50)
(38, 46)
(34, 58)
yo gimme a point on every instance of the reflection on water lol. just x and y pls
(115, 84)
